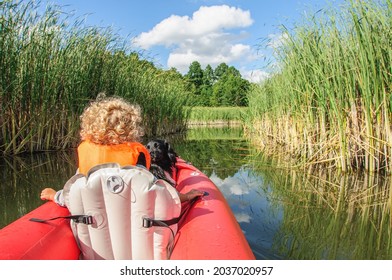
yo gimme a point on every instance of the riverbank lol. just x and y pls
(329, 106)
(216, 115)
(215, 123)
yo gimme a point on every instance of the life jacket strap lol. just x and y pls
(84, 219)
(147, 222)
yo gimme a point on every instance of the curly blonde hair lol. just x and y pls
(111, 121)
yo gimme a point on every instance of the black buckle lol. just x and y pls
(84, 219)
(147, 222)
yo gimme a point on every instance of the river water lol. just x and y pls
(284, 214)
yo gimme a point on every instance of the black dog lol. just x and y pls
(163, 159)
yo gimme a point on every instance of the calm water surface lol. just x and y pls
(284, 214)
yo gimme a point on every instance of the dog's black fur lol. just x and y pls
(163, 158)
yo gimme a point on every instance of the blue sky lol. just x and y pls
(173, 33)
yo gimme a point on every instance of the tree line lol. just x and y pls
(208, 87)
(222, 86)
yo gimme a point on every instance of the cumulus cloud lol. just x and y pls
(255, 76)
(211, 35)
(277, 40)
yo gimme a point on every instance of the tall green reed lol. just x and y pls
(330, 103)
(216, 115)
(52, 65)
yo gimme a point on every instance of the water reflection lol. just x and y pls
(248, 197)
(284, 214)
(331, 216)
(23, 178)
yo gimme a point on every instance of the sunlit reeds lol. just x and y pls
(52, 65)
(330, 103)
(202, 133)
(217, 115)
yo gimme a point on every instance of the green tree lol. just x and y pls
(195, 76)
(173, 72)
(221, 70)
(223, 86)
(230, 89)
(206, 88)
(208, 76)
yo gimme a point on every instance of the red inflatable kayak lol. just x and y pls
(208, 231)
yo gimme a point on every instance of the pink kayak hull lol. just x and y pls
(209, 230)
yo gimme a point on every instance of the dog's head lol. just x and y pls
(162, 153)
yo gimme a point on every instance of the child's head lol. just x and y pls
(111, 121)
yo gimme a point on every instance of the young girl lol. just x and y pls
(110, 132)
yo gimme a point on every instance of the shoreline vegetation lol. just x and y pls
(330, 104)
(52, 65)
(216, 116)
(216, 123)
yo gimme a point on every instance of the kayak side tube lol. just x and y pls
(27, 240)
(209, 231)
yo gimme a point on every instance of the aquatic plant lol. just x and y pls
(330, 102)
(52, 65)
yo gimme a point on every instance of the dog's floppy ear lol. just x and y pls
(170, 152)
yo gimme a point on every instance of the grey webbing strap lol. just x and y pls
(148, 222)
(84, 219)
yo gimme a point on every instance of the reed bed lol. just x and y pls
(330, 102)
(216, 115)
(52, 65)
(202, 133)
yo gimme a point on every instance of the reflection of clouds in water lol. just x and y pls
(248, 195)
(236, 190)
(216, 180)
(242, 217)
(231, 185)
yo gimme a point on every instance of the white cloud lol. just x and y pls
(210, 36)
(207, 20)
(181, 58)
(255, 76)
(277, 40)
(239, 50)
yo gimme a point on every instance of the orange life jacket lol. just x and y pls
(91, 154)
